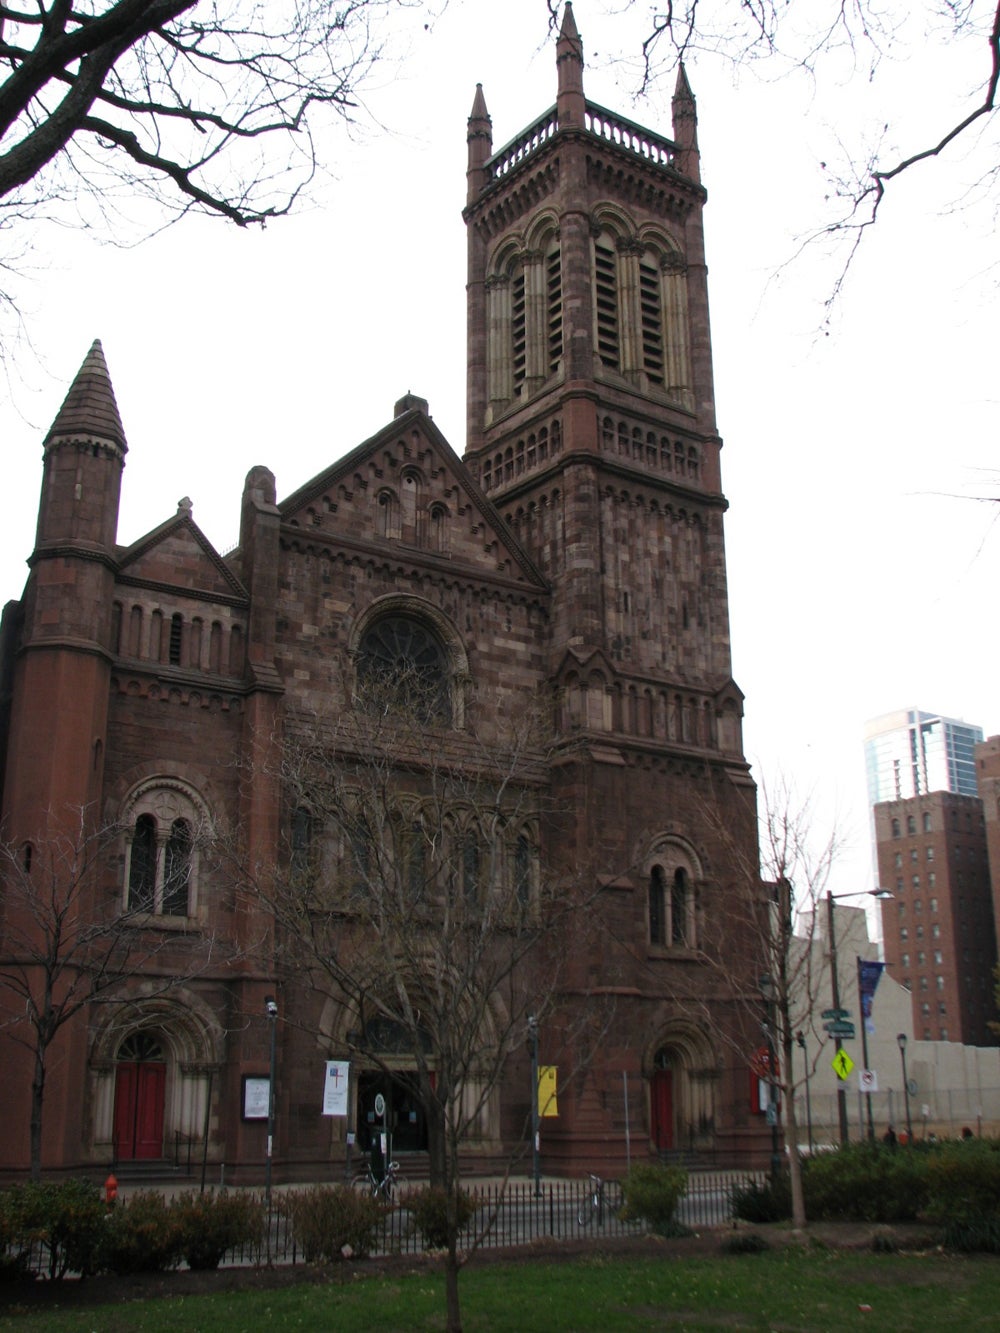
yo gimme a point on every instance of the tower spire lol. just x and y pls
(480, 139)
(569, 64)
(685, 120)
(89, 410)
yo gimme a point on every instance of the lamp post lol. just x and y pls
(536, 1170)
(901, 1042)
(766, 985)
(831, 898)
(800, 1037)
(271, 1009)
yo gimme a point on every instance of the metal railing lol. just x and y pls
(514, 1215)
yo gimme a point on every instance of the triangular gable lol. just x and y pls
(177, 554)
(344, 501)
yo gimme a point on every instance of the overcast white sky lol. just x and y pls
(862, 575)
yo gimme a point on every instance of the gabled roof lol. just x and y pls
(178, 555)
(482, 542)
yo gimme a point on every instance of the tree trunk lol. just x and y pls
(37, 1103)
(451, 1271)
(792, 1136)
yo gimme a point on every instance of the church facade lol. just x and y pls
(574, 552)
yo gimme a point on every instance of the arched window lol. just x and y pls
(402, 662)
(657, 907)
(522, 870)
(302, 841)
(679, 904)
(671, 896)
(142, 865)
(162, 851)
(177, 869)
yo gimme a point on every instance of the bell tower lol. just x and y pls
(590, 398)
(591, 426)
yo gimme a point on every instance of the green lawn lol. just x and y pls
(787, 1291)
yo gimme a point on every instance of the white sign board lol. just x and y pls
(335, 1087)
(868, 1080)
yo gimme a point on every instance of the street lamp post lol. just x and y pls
(835, 995)
(831, 898)
(536, 1166)
(271, 1009)
(901, 1042)
(800, 1037)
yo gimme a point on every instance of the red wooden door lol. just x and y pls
(663, 1109)
(139, 1090)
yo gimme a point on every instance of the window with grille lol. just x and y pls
(553, 308)
(606, 300)
(651, 307)
(518, 329)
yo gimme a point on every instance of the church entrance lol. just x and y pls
(405, 1121)
(662, 1103)
(140, 1088)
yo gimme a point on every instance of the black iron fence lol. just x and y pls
(517, 1214)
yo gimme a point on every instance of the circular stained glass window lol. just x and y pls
(404, 661)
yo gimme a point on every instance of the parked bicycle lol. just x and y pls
(592, 1209)
(379, 1187)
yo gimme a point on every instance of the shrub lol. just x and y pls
(327, 1219)
(210, 1224)
(429, 1209)
(651, 1194)
(142, 1235)
(866, 1182)
(963, 1182)
(60, 1224)
(770, 1202)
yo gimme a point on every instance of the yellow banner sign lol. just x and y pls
(547, 1090)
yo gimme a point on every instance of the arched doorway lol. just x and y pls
(662, 1101)
(140, 1090)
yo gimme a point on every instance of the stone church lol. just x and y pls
(574, 551)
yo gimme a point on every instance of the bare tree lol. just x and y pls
(205, 106)
(413, 896)
(795, 867)
(824, 39)
(68, 944)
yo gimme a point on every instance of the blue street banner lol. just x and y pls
(869, 975)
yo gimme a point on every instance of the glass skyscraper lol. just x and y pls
(910, 753)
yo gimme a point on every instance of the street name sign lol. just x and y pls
(838, 1028)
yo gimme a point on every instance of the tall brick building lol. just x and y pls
(940, 940)
(576, 549)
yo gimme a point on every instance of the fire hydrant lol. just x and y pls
(111, 1190)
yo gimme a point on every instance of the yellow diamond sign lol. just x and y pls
(842, 1064)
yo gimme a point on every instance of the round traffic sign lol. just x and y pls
(379, 1105)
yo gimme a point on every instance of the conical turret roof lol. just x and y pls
(89, 410)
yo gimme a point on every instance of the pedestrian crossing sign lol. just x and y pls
(842, 1064)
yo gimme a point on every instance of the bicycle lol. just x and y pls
(593, 1207)
(382, 1189)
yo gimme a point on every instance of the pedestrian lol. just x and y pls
(889, 1137)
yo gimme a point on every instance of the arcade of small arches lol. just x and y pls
(420, 858)
(650, 449)
(172, 639)
(593, 703)
(524, 455)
